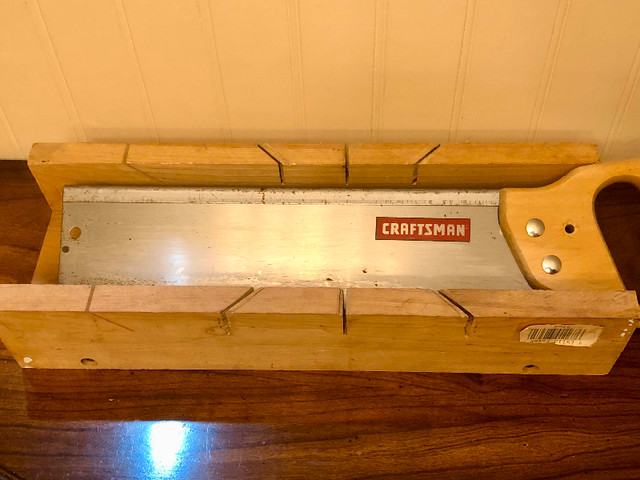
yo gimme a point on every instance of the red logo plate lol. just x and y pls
(427, 229)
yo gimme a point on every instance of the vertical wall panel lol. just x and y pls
(331, 71)
(423, 51)
(511, 43)
(29, 96)
(596, 53)
(626, 142)
(178, 70)
(252, 39)
(9, 148)
(91, 43)
(337, 57)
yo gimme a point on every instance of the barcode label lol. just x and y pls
(568, 335)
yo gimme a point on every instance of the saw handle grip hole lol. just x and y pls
(75, 233)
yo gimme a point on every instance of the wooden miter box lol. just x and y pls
(45, 325)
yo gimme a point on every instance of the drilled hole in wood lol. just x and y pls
(75, 233)
(569, 228)
(530, 368)
(88, 362)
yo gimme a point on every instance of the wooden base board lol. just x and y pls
(171, 327)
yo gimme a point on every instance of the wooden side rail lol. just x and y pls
(173, 327)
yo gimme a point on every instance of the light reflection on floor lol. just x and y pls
(167, 441)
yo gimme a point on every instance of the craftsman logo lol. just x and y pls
(431, 229)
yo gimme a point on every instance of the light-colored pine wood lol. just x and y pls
(385, 164)
(500, 165)
(44, 298)
(586, 261)
(55, 165)
(57, 326)
(46, 271)
(164, 298)
(174, 314)
(289, 315)
(311, 165)
(499, 316)
(140, 327)
(402, 314)
(205, 164)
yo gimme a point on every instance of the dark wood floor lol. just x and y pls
(156, 425)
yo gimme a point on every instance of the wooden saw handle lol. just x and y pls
(553, 232)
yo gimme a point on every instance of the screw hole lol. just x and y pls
(65, 249)
(89, 362)
(530, 368)
(569, 229)
(75, 233)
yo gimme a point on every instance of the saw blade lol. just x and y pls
(285, 237)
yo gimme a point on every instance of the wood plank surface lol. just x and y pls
(310, 165)
(110, 424)
(289, 328)
(55, 165)
(501, 165)
(204, 164)
(385, 164)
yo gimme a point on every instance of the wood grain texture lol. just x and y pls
(55, 165)
(310, 165)
(385, 164)
(277, 328)
(46, 271)
(403, 314)
(100, 424)
(586, 261)
(202, 164)
(501, 165)
(23, 221)
(499, 317)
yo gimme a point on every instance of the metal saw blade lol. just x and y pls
(285, 237)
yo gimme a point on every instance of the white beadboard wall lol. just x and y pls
(310, 70)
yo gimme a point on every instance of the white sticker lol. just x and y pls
(567, 335)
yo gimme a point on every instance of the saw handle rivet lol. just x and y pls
(535, 227)
(65, 249)
(551, 264)
(75, 233)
